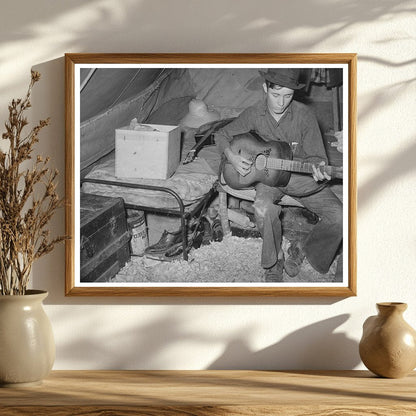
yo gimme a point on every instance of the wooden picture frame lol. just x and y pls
(78, 67)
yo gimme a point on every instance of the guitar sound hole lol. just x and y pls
(261, 162)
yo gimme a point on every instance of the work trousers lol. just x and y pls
(322, 243)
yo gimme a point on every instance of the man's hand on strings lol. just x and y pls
(319, 173)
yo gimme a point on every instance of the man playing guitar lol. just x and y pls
(281, 118)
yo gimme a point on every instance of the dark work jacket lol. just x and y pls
(298, 127)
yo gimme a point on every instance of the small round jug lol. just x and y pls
(388, 345)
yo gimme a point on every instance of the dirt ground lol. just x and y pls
(236, 259)
(233, 260)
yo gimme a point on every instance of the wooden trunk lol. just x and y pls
(104, 237)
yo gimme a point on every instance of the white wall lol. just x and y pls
(199, 333)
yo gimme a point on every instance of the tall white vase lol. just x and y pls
(27, 346)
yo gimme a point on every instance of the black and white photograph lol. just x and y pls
(210, 177)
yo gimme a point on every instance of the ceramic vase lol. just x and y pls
(27, 347)
(388, 345)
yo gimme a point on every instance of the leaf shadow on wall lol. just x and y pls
(103, 19)
(394, 167)
(216, 26)
(316, 346)
(146, 345)
(151, 345)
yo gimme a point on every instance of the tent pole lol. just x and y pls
(87, 78)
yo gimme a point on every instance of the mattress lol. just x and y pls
(191, 182)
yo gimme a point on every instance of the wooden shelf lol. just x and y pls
(203, 393)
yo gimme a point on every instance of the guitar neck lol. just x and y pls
(300, 167)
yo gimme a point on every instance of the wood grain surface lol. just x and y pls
(242, 393)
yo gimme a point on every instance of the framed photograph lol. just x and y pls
(211, 174)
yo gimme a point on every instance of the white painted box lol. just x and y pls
(152, 154)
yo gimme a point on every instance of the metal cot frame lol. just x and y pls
(180, 212)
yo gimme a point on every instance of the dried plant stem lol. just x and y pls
(23, 217)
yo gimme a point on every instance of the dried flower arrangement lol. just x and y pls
(28, 199)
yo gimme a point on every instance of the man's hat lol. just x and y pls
(285, 77)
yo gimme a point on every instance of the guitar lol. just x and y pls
(271, 163)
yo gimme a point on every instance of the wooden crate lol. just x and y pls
(147, 154)
(104, 237)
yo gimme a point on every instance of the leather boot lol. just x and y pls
(167, 240)
(274, 273)
(294, 260)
